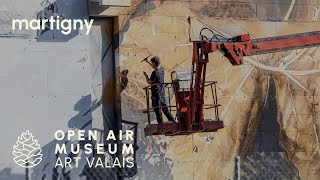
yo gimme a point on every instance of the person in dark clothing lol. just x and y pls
(158, 95)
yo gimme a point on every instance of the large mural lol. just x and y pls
(269, 104)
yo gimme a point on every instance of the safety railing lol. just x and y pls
(167, 87)
(170, 95)
(215, 105)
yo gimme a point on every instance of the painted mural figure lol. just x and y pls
(158, 90)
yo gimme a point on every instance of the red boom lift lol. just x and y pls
(190, 101)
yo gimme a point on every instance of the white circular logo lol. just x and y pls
(27, 151)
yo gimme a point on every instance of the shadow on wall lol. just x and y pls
(81, 121)
(65, 9)
(85, 107)
(7, 174)
(266, 159)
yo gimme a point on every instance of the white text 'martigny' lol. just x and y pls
(65, 25)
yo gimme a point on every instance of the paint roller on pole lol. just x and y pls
(146, 58)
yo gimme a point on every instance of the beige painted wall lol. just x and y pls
(162, 28)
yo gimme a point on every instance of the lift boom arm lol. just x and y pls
(243, 45)
(235, 49)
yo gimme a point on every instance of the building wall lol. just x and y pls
(268, 109)
(45, 83)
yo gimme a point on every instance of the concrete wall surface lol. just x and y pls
(269, 105)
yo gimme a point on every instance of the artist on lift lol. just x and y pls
(158, 95)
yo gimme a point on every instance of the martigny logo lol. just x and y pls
(26, 151)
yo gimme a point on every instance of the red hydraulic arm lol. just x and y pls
(235, 49)
(243, 45)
